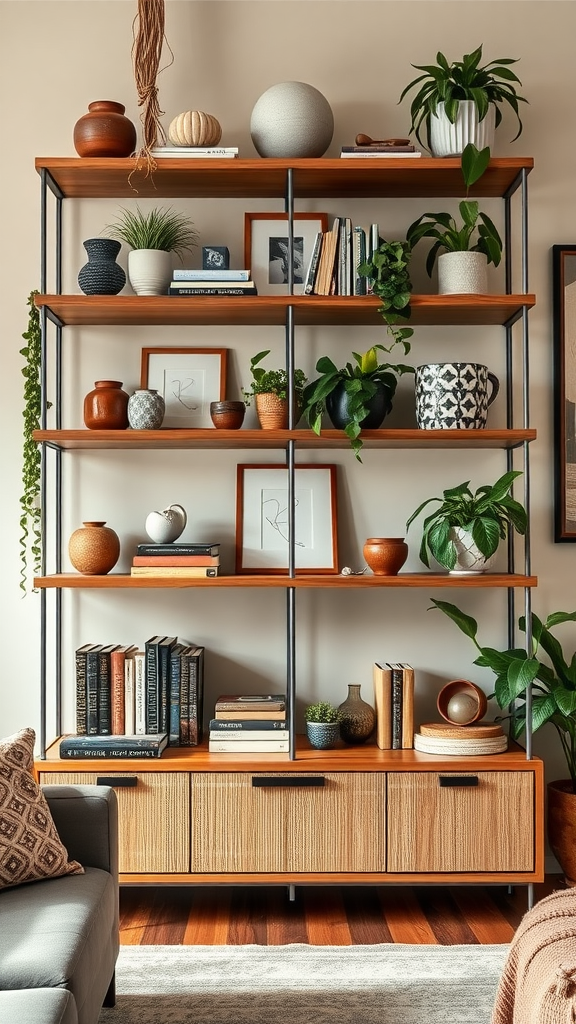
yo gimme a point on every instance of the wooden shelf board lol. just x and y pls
(309, 310)
(112, 178)
(159, 440)
(122, 581)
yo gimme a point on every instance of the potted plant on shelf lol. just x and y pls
(30, 510)
(152, 238)
(460, 102)
(550, 675)
(387, 271)
(322, 724)
(269, 388)
(464, 532)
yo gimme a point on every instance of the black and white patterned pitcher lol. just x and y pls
(454, 396)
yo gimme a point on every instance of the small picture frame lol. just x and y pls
(188, 380)
(266, 249)
(262, 519)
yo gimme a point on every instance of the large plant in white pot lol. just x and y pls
(152, 238)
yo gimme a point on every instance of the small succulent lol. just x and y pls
(322, 711)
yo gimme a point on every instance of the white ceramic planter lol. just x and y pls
(448, 139)
(462, 272)
(469, 560)
(150, 271)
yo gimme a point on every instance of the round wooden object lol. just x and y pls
(106, 407)
(227, 415)
(385, 555)
(482, 732)
(104, 131)
(469, 708)
(94, 549)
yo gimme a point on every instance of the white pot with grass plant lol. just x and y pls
(152, 238)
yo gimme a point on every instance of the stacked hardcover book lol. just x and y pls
(394, 703)
(254, 724)
(212, 282)
(200, 152)
(336, 256)
(379, 150)
(178, 560)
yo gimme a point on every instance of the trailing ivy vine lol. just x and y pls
(30, 512)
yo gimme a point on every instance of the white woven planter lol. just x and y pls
(448, 139)
(469, 560)
(149, 271)
(462, 272)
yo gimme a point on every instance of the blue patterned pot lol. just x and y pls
(323, 735)
(101, 275)
(146, 410)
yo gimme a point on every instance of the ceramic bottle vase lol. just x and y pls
(146, 409)
(104, 131)
(94, 549)
(106, 407)
(385, 555)
(101, 275)
(358, 718)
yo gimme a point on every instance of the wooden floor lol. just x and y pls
(326, 916)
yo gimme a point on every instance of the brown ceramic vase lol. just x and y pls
(385, 555)
(358, 719)
(104, 131)
(94, 549)
(106, 407)
(227, 415)
(562, 826)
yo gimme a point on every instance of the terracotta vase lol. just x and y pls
(272, 411)
(562, 826)
(106, 407)
(104, 131)
(385, 555)
(94, 549)
(358, 718)
(227, 415)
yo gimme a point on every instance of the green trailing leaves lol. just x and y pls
(30, 511)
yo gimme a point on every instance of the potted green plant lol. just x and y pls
(358, 395)
(270, 388)
(461, 102)
(550, 676)
(30, 510)
(387, 271)
(322, 724)
(464, 532)
(152, 237)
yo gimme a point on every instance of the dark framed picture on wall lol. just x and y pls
(564, 321)
(266, 249)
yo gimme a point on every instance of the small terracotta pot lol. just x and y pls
(272, 411)
(385, 555)
(106, 407)
(94, 549)
(227, 415)
(461, 702)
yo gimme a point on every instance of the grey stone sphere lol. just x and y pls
(292, 119)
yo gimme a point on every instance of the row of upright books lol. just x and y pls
(394, 703)
(337, 256)
(249, 724)
(175, 559)
(211, 282)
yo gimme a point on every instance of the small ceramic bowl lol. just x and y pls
(461, 702)
(227, 415)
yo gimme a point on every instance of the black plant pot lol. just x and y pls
(379, 405)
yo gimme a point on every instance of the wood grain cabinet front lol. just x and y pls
(153, 816)
(250, 822)
(451, 821)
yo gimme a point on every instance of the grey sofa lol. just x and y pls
(59, 937)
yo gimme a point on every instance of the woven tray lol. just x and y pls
(468, 732)
(442, 745)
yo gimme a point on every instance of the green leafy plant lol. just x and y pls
(476, 233)
(552, 681)
(30, 511)
(387, 270)
(322, 711)
(360, 382)
(275, 382)
(159, 229)
(485, 84)
(486, 514)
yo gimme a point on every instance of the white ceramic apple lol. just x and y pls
(165, 526)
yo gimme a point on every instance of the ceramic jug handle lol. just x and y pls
(182, 511)
(495, 386)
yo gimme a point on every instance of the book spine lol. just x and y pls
(382, 676)
(378, 149)
(178, 549)
(104, 696)
(183, 290)
(140, 693)
(249, 746)
(92, 693)
(164, 651)
(185, 571)
(118, 717)
(210, 275)
(81, 710)
(407, 707)
(129, 695)
(248, 734)
(217, 724)
(174, 711)
(152, 687)
(396, 707)
(313, 265)
(95, 752)
(184, 699)
(196, 702)
(359, 257)
(167, 560)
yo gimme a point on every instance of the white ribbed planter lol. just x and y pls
(469, 560)
(462, 272)
(150, 271)
(448, 139)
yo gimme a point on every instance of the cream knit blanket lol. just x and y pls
(538, 983)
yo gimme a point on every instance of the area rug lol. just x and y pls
(302, 984)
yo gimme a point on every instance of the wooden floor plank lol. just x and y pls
(449, 925)
(484, 917)
(364, 913)
(326, 921)
(209, 917)
(167, 919)
(286, 920)
(134, 915)
(247, 916)
(404, 916)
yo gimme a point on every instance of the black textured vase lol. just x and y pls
(379, 406)
(357, 718)
(101, 275)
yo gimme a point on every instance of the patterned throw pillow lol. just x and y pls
(30, 847)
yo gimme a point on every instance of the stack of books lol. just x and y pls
(253, 724)
(394, 703)
(181, 560)
(202, 152)
(463, 740)
(212, 282)
(78, 747)
(379, 150)
(336, 256)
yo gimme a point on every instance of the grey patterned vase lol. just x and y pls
(358, 719)
(323, 735)
(146, 410)
(454, 396)
(101, 275)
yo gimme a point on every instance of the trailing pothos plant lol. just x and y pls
(387, 272)
(30, 511)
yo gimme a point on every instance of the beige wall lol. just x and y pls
(55, 58)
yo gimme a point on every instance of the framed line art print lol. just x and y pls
(188, 380)
(266, 249)
(262, 519)
(564, 323)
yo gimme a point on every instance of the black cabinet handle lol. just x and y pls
(287, 780)
(458, 780)
(117, 780)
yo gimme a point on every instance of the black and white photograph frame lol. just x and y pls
(266, 249)
(564, 323)
(262, 519)
(188, 380)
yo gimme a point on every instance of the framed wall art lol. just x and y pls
(564, 322)
(266, 249)
(188, 380)
(262, 519)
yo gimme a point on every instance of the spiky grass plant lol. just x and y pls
(159, 229)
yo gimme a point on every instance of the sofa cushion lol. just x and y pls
(61, 933)
(30, 847)
(38, 1006)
